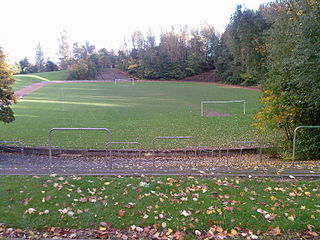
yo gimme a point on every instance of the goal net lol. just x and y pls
(241, 102)
(123, 80)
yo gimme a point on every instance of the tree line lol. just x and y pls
(180, 53)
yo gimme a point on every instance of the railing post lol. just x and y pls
(295, 138)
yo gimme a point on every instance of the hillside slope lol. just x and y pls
(209, 76)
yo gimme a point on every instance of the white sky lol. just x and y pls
(104, 23)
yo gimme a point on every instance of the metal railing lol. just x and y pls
(295, 138)
(168, 138)
(108, 142)
(243, 145)
(129, 143)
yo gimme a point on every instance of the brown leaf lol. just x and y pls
(228, 208)
(313, 234)
(276, 231)
(121, 213)
(178, 235)
(26, 201)
(83, 199)
(47, 198)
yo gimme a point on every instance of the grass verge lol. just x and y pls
(194, 207)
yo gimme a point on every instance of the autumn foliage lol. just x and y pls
(6, 94)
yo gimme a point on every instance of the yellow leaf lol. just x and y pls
(161, 199)
(219, 211)
(273, 198)
(209, 212)
(234, 232)
(169, 231)
(102, 228)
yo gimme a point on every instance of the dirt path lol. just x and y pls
(35, 86)
(29, 89)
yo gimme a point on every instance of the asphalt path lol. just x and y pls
(23, 164)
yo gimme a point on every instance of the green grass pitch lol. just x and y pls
(137, 112)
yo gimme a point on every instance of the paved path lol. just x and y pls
(20, 164)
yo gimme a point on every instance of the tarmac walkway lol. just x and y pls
(23, 164)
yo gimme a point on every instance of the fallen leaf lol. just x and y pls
(130, 205)
(121, 213)
(30, 210)
(313, 234)
(275, 231)
(26, 201)
(291, 218)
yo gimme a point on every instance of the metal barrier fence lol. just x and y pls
(243, 145)
(108, 143)
(130, 143)
(295, 138)
(170, 138)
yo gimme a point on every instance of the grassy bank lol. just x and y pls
(22, 80)
(193, 206)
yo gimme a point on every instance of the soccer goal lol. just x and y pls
(223, 102)
(119, 80)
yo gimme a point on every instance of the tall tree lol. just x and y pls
(39, 59)
(292, 88)
(243, 43)
(65, 55)
(6, 94)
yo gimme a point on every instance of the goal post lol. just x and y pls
(218, 102)
(124, 80)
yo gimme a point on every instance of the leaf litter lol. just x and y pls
(168, 208)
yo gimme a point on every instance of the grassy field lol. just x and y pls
(168, 204)
(133, 113)
(23, 80)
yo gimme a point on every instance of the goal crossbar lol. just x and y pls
(123, 80)
(229, 101)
